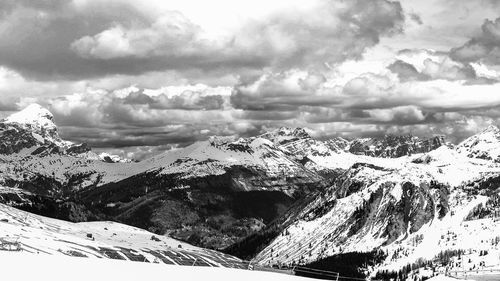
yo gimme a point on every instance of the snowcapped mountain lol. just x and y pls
(112, 158)
(391, 146)
(485, 145)
(292, 198)
(406, 207)
(35, 117)
(33, 131)
(299, 143)
(211, 193)
(203, 193)
(38, 122)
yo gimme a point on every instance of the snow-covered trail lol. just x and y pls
(25, 266)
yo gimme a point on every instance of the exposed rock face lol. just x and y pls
(212, 193)
(284, 135)
(367, 208)
(32, 131)
(39, 122)
(15, 138)
(395, 146)
(308, 198)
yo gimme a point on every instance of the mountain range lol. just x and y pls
(282, 197)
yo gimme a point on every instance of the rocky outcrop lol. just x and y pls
(367, 208)
(392, 146)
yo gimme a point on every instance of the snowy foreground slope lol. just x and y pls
(55, 250)
(109, 240)
(55, 268)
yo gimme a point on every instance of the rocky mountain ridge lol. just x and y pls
(296, 198)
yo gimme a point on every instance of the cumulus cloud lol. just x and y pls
(132, 117)
(426, 65)
(399, 115)
(485, 47)
(331, 32)
(138, 78)
(171, 35)
(82, 39)
(188, 100)
(281, 91)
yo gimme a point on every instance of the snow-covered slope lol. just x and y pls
(485, 145)
(23, 266)
(388, 205)
(34, 115)
(112, 158)
(218, 154)
(347, 196)
(36, 234)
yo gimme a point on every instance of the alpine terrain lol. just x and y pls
(377, 207)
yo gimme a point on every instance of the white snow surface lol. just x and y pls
(51, 237)
(41, 121)
(486, 144)
(442, 277)
(35, 115)
(23, 266)
(309, 240)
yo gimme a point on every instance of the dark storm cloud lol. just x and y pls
(188, 100)
(70, 40)
(433, 65)
(485, 47)
(36, 36)
(138, 98)
(266, 115)
(334, 32)
(154, 136)
(282, 92)
(406, 71)
(9, 104)
(293, 67)
(416, 18)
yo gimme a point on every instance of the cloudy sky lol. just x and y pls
(138, 77)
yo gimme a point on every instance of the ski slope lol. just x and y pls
(101, 240)
(24, 266)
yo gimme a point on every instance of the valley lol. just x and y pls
(393, 205)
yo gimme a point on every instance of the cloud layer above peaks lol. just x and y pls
(139, 77)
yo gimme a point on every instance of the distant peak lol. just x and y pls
(35, 115)
(491, 128)
(297, 132)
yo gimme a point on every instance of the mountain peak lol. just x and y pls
(484, 145)
(34, 125)
(35, 115)
(284, 135)
(492, 129)
(298, 132)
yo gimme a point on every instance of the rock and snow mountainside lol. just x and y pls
(429, 206)
(202, 193)
(37, 234)
(33, 130)
(211, 193)
(483, 145)
(290, 197)
(395, 146)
